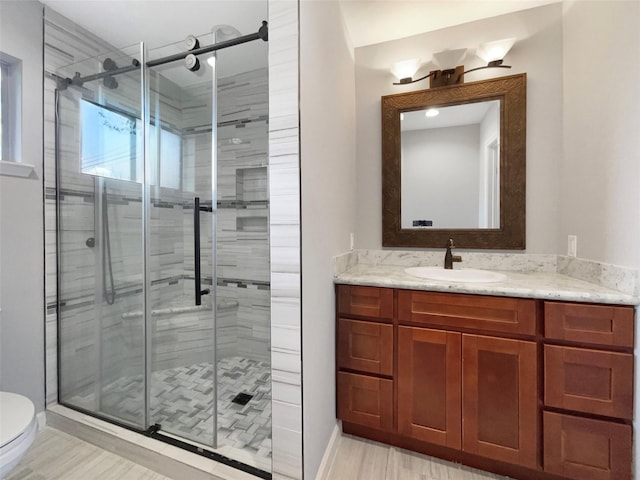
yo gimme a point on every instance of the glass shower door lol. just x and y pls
(209, 318)
(100, 255)
(164, 246)
(182, 374)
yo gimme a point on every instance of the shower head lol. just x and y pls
(222, 33)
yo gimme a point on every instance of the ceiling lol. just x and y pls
(161, 22)
(375, 21)
(125, 22)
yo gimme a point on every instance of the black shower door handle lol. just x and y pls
(196, 249)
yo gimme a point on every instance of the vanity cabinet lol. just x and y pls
(527, 388)
(468, 390)
(588, 385)
(365, 344)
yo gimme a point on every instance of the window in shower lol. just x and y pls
(112, 147)
(109, 143)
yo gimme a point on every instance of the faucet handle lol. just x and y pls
(450, 243)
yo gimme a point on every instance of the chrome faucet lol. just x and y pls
(449, 258)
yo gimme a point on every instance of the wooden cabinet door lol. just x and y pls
(365, 346)
(500, 395)
(429, 402)
(586, 449)
(589, 381)
(365, 400)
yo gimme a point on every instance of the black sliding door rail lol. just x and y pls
(261, 34)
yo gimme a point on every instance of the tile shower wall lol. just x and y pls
(243, 253)
(284, 186)
(284, 222)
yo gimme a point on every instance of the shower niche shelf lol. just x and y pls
(251, 184)
(252, 224)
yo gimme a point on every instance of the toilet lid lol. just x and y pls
(16, 414)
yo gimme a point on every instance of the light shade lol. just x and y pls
(449, 58)
(492, 51)
(405, 68)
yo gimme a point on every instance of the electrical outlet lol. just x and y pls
(351, 241)
(572, 245)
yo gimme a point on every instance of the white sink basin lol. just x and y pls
(466, 275)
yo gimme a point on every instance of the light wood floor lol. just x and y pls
(358, 459)
(54, 455)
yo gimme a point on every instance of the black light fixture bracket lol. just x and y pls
(450, 76)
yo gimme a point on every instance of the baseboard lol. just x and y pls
(329, 453)
(41, 417)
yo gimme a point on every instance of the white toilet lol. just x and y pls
(18, 428)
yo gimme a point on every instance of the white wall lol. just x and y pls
(600, 170)
(21, 218)
(440, 170)
(327, 127)
(538, 52)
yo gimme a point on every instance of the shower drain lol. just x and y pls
(242, 398)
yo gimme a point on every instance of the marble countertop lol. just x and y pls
(541, 285)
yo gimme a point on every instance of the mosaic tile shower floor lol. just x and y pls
(181, 402)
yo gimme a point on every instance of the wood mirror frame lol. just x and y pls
(512, 92)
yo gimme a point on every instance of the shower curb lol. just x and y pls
(165, 459)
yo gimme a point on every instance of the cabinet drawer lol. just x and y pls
(365, 346)
(589, 381)
(597, 324)
(492, 314)
(582, 448)
(371, 302)
(365, 400)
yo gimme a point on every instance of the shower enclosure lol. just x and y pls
(163, 254)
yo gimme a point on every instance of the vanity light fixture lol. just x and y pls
(451, 72)
(493, 53)
(432, 112)
(405, 69)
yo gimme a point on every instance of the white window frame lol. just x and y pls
(10, 101)
(11, 118)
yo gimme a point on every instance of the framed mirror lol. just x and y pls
(454, 165)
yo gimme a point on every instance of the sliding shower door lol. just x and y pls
(209, 315)
(181, 238)
(100, 251)
(164, 245)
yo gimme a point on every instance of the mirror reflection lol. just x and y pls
(450, 166)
